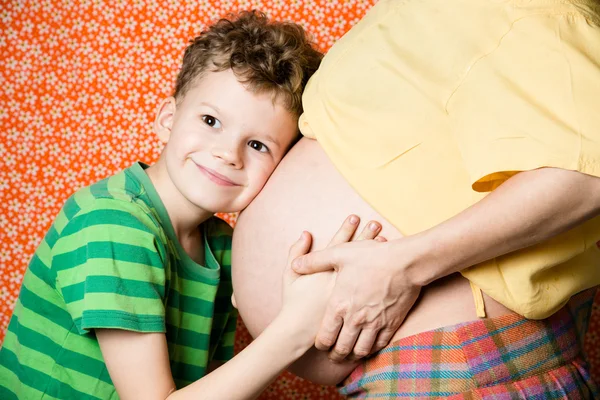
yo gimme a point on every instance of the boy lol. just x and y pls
(129, 293)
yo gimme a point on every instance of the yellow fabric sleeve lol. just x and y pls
(532, 101)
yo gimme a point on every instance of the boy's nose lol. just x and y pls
(229, 154)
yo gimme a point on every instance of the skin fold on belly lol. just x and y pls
(306, 192)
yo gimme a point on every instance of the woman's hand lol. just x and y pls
(372, 294)
(305, 297)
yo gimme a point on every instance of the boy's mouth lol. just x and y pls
(216, 177)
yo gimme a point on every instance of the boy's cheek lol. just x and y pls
(263, 175)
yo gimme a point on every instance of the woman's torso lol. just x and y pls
(307, 193)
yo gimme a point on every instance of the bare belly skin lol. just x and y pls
(307, 193)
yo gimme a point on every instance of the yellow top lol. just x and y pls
(425, 105)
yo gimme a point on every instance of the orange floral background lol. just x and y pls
(80, 81)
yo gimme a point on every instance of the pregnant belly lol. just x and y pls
(307, 193)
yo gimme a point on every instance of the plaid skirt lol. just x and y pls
(508, 357)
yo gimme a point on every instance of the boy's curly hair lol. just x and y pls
(268, 56)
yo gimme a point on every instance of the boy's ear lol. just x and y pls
(164, 119)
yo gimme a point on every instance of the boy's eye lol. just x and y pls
(258, 146)
(211, 121)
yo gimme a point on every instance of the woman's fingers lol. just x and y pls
(364, 344)
(346, 231)
(370, 231)
(383, 338)
(345, 342)
(330, 328)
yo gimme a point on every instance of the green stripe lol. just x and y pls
(41, 362)
(4, 392)
(112, 284)
(40, 381)
(116, 302)
(217, 330)
(133, 186)
(228, 338)
(179, 384)
(60, 221)
(83, 197)
(71, 208)
(187, 338)
(51, 236)
(191, 305)
(100, 189)
(225, 349)
(85, 344)
(192, 274)
(42, 289)
(219, 227)
(187, 372)
(220, 243)
(223, 353)
(231, 331)
(43, 324)
(109, 319)
(44, 253)
(41, 271)
(124, 269)
(41, 306)
(217, 337)
(187, 355)
(106, 250)
(11, 388)
(200, 290)
(106, 233)
(187, 320)
(35, 341)
(104, 303)
(116, 187)
(107, 217)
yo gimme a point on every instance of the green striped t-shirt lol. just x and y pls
(111, 260)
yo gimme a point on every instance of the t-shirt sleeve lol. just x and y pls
(110, 269)
(531, 102)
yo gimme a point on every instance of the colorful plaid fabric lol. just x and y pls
(508, 357)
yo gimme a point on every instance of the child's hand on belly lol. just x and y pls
(305, 297)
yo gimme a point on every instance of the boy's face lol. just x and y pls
(223, 141)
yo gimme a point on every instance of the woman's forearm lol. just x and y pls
(380, 282)
(527, 209)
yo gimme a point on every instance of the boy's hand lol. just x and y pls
(305, 297)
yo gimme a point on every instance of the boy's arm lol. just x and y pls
(138, 363)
